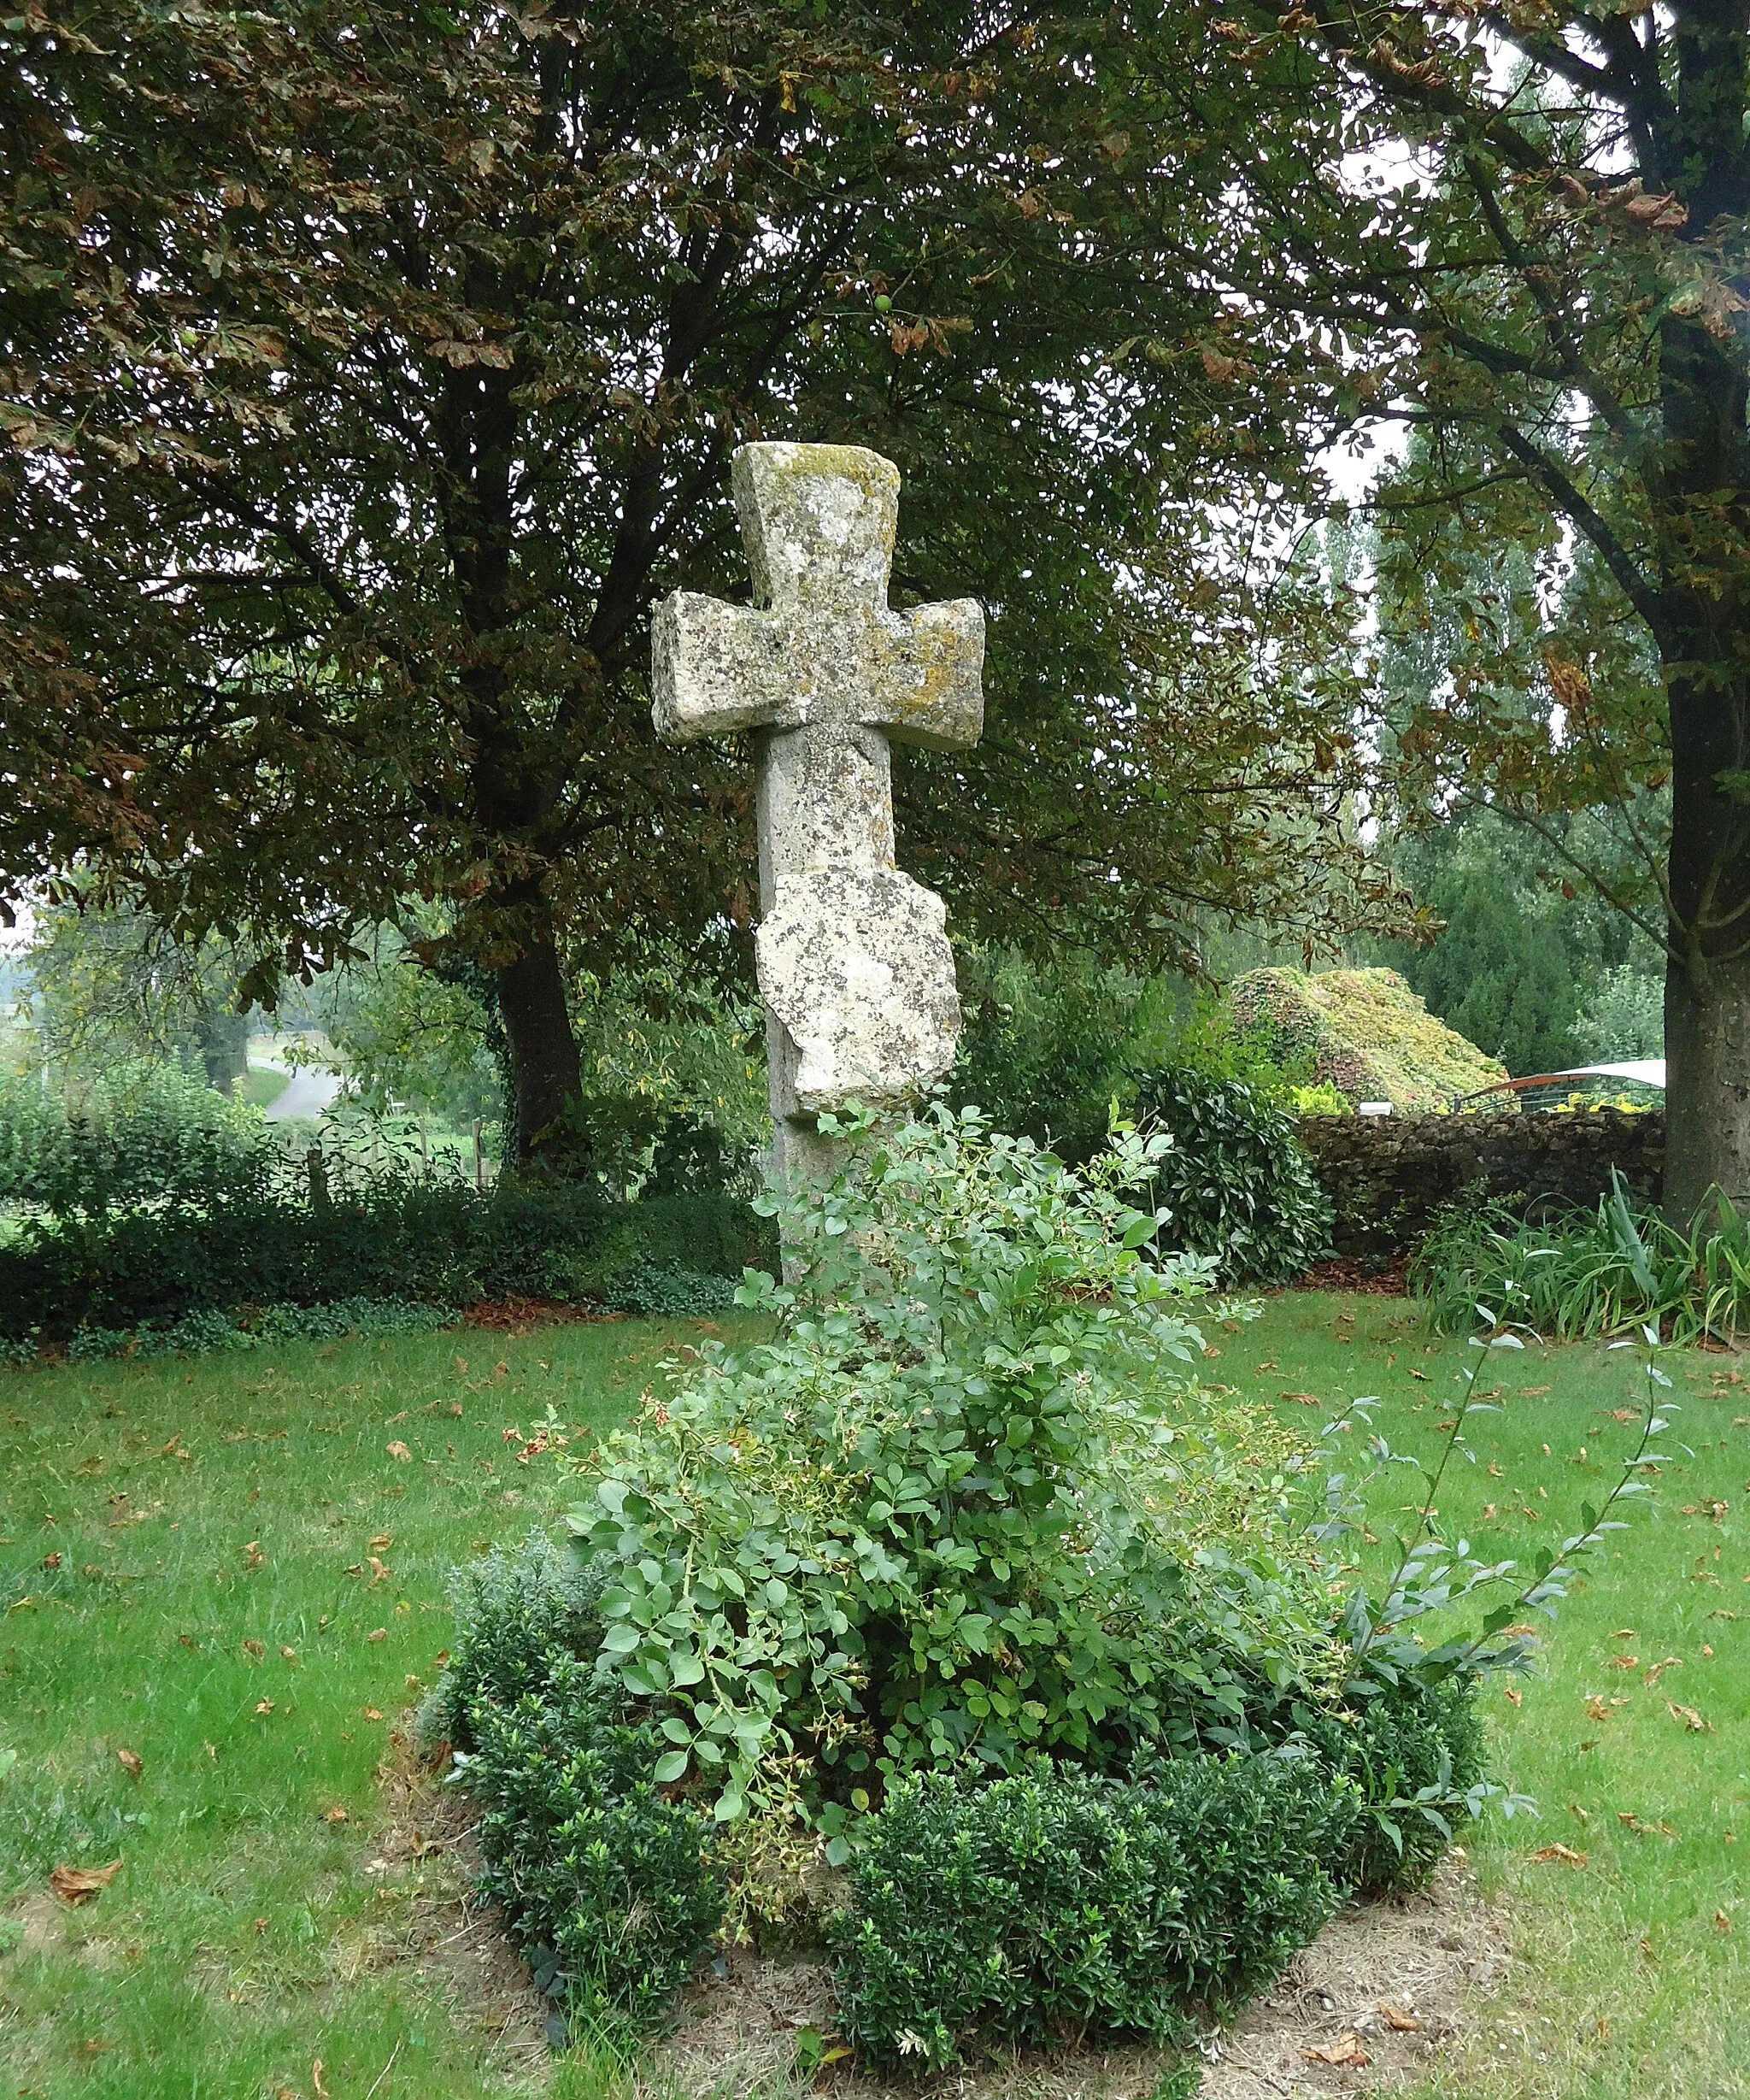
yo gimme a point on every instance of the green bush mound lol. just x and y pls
(1236, 1183)
(1044, 1906)
(443, 1244)
(1058, 1906)
(961, 1572)
(604, 1884)
(1366, 1034)
(1413, 1751)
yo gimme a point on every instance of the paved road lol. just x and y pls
(309, 1094)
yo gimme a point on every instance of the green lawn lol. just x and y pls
(1630, 1983)
(214, 1611)
(186, 1574)
(261, 1088)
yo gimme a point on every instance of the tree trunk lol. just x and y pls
(1708, 976)
(543, 1052)
(1703, 510)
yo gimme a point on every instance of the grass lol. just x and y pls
(1633, 1973)
(260, 1088)
(199, 1507)
(186, 1575)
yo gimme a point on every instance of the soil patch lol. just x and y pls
(1386, 1987)
(1386, 1984)
(1386, 1279)
(517, 1316)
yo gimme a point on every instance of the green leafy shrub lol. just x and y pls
(516, 1610)
(143, 1137)
(201, 1332)
(1053, 1906)
(1611, 1270)
(1042, 1052)
(931, 1521)
(400, 1239)
(1413, 1750)
(604, 1885)
(667, 1293)
(1236, 1183)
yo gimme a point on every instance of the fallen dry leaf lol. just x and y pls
(398, 1451)
(253, 1556)
(317, 2086)
(50, 1560)
(1722, 1921)
(1514, 1696)
(378, 1633)
(1303, 1399)
(1347, 2049)
(1659, 1670)
(334, 1815)
(255, 1650)
(381, 1542)
(373, 1714)
(1558, 1855)
(1399, 2021)
(380, 1570)
(1625, 1414)
(1691, 1720)
(131, 1762)
(78, 1885)
(1625, 1662)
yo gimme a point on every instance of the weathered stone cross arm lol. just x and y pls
(818, 522)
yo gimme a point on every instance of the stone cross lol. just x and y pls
(852, 954)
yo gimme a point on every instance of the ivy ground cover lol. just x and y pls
(246, 1935)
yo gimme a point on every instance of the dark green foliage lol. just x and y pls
(668, 1293)
(1054, 1906)
(1413, 1751)
(1042, 1052)
(603, 1883)
(447, 1244)
(516, 1610)
(203, 1331)
(143, 1135)
(1237, 1181)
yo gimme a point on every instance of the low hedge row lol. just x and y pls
(1048, 1904)
(445, 1245)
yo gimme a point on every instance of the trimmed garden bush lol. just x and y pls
(604, 1885)
(960, 1583)
(1236, 1182)
(1059, 1905)
(1413, 1750)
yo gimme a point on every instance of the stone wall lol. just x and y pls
(1388, 1174)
